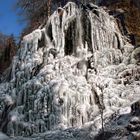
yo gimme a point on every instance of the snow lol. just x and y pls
(52, 82)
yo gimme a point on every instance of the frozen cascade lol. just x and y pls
(63, 70)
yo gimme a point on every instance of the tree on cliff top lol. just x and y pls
(36, 11)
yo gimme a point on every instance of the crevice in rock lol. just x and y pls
(70, 38)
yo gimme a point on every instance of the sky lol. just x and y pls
(9, 20)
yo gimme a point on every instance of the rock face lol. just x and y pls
(127, 13)
(67, 74)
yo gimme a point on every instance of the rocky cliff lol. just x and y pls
(70, 77)
(127, 13)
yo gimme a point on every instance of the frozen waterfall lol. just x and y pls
(64, 69)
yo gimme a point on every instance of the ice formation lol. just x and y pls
(67, 71)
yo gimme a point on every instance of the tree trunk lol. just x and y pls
(49, 7)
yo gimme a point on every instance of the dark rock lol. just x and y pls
(104, 135)
(133, 128)
(135, 108)
(135, 120)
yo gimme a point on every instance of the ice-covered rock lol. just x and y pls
(69, 73)
(3, 136)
